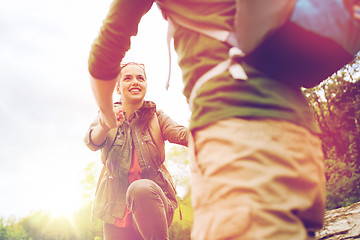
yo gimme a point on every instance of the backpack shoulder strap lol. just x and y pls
(218, 34)
(156, 133)
(221, 35)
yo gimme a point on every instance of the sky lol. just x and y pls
(46, 103)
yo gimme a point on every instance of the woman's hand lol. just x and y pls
(119, 114)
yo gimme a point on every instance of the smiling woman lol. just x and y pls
(135, 197)
(132, 84)
(45, 109)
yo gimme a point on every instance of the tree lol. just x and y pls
(89, 229)
(181, 229)
(42, 226)
(11, 230)
(178, 164)
(336, 104)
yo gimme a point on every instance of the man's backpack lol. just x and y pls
(302, 41)
(298, 42)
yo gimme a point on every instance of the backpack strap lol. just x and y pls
(170, 34)
(156, 133)
(218, 34)
(235, 69)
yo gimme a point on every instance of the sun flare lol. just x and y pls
(60, 199)
(63, 205)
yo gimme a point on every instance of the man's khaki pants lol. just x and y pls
(256, 179)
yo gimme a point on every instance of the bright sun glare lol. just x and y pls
(62, 205)
(61, 199)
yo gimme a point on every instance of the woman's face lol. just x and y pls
(132, 84)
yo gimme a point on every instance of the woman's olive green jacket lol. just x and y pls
(116, 155)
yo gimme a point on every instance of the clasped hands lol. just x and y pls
(111, 119)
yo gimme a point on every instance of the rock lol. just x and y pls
(341, 223)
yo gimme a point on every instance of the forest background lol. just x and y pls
(336, 104)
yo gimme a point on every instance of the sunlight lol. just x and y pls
(61, 205)
(59, 198)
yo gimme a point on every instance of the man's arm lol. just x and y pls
(109, 48)
(103, 92)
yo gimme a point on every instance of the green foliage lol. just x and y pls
(177, 162)
(43, 226)
(11, 230)
(89, 181)
(342, 180)
(336, 104)
(181, 229)
(86, 228)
